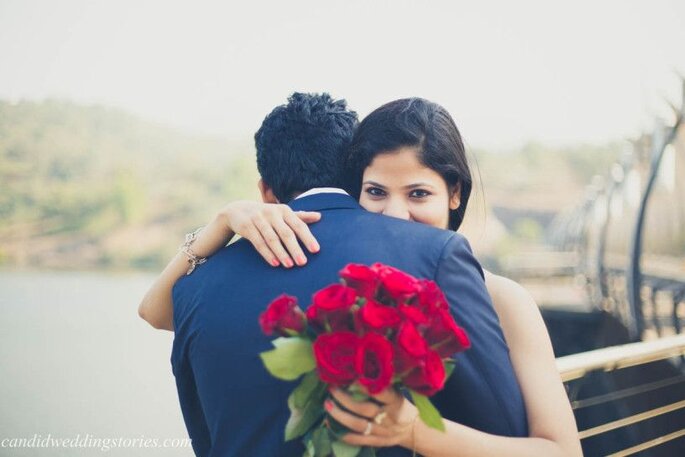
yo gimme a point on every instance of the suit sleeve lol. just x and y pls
(189, 399)
(484, 379)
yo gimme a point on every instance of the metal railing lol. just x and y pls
(583, 368)
(629, 289)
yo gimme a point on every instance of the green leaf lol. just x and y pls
(359, 396)
(302, 419)
(428, 413)
(336, 429)
(449, 367)
(291, 358)
(309, 450)
(355, 390)
(321, 440)
(342, 449)
(367, 451)
(291, 332)
(305, 389)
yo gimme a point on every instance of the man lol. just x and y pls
(231, 405)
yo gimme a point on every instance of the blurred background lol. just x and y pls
(124, 125)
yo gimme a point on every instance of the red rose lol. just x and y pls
(413, 313)
(428, 377)
(377, 317)
(397, 284)
(361, 278)
(410, 348)
(330, 308)
(335, 357)
(409, 339)
(282, 315)
(430, 297)
(444, 335)
(373, 362)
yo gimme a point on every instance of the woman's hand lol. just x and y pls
(273, 230)
(390, 423)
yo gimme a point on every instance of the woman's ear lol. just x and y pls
(267, 194)
(455, 199)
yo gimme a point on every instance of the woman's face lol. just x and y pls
(397, 184)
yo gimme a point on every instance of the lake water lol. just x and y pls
(78, 364)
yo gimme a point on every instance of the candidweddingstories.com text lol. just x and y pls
(90, 441)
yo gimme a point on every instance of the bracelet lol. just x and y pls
(193, 259)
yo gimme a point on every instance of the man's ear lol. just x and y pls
(267, 194)
(455, 199)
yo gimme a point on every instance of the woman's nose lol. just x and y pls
(396, 209)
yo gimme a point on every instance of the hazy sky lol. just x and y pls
(508, 71)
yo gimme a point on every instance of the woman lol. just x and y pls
(407, 160)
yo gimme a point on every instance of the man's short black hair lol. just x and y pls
(303, 144)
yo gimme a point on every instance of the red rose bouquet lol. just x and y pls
(379, 327)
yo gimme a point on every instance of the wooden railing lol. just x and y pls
(583, 366)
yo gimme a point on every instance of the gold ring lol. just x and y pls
(367, 430)
(378, 418)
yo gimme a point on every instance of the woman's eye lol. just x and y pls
(419, 193)
(375, 192)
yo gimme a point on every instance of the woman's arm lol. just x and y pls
(549, 411)
(552, 426)
(272, 228)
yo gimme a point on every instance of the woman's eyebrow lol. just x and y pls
(373, 183)
(418, 184)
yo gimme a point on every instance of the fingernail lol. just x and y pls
(328, 405)
(275, 263)
(301, 260)
(314, 248)
(288, 263)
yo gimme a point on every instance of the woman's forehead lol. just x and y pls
(400, 166)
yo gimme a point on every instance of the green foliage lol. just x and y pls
(528, 229)
(342, 449)
(306, 405)
(128, 196)
(428, 413)
(113, 191)
(90, 177)
(291, 358)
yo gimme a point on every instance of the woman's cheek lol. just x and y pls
(429, 214)
(370, 205)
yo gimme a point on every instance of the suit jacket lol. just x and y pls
(233, 407)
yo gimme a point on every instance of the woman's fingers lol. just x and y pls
(361, 408)
(288, 238)
(308, 217)
(272, 239)
(298, 222)
(288, 225)
(260, 245)
(274, 230)
(353, 422)
(389, 396)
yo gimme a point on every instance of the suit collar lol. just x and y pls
(322, 201)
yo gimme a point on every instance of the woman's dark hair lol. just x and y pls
(417, 123)
(303, 143)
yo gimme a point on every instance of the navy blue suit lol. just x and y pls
(233, 407)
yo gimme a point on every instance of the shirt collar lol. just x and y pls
(322, 190)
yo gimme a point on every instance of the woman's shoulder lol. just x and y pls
(506, 292)
(519, 314)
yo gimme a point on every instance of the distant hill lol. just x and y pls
(89, 186)
(97, 187)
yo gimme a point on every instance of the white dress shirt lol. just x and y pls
(322, 190)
